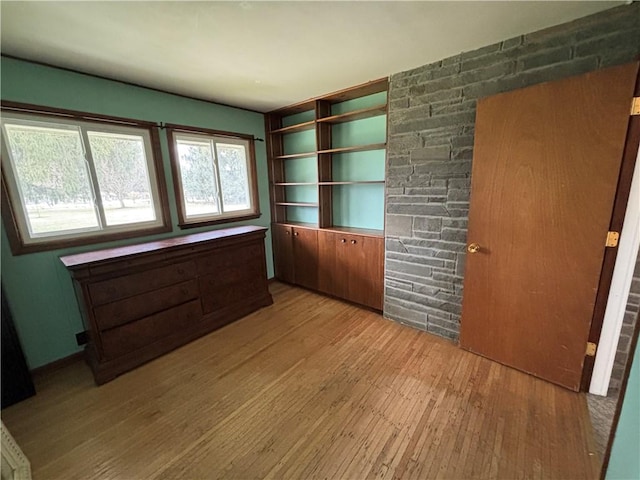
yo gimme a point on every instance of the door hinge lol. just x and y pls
(591, 349)
(635, 106)
(612, 239)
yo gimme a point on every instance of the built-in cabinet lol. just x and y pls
(296, 251)
(327, 170)
(351, 267)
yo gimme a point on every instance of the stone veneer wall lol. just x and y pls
(430, 148)
(628, 324)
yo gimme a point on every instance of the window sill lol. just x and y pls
(218, 221)
(20, 248)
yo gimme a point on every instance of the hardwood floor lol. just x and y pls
(307, 388)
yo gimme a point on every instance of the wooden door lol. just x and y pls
(282, 252)
(305, 257)
(545, 170)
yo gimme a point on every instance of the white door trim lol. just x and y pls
(619, 293)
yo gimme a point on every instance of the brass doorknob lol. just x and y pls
(473, 248)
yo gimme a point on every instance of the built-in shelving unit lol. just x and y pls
(326, 160)
(327, 170)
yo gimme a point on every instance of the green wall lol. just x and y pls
(38, 287)
(624, 463)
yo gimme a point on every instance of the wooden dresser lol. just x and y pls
(141, 301)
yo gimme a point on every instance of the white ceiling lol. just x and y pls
(263, 55)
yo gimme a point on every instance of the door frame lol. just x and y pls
(621, 201)
(619, 292)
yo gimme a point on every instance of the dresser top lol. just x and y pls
(88, 258)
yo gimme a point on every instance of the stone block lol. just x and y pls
(461, 263)
(408, 268)
(458, 195)
(416, 209)
(395, 311)
(459, 183)
(393, 244)
(444, 168)
(427, 224)
(452, 107)
(401, 143)
(443, 332)
(415, 259)
(398, 225)
(439, 96)
(512, 43)
(428, 191)
(399, 103)
(454, 235)
(545, 58)
(495, 47)
(430, 153)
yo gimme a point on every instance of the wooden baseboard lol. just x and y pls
(57, 364)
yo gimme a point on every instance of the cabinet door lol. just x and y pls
(342, 268)
(363, 267)
(283, 253)
(305, 257)
(327, 270)
(373, 271)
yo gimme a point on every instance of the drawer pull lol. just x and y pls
(353, 242)
(295, 234)
(343, 241)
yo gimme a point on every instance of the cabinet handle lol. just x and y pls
(343, 241)
(295, 234)
(353, 242)
(288, 232)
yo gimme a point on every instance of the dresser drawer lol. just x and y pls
(137, 283)
(141, 333)
(230, 258)
(120, 312)
(240, 284)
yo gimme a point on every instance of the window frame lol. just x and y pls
(10, 205)
(184, 222)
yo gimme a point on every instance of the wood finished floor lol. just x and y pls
(307, 388)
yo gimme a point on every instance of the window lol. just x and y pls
(214, 175)
(73, 181)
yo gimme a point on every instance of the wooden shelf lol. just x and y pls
(299, 127)
(296, 108)
(317, 117)
(358, 148)
(297, 224)
(297, 155)
(355, 115)
(296, 204)
(356, 182)
(291, 184)
(357, 231)
(337, 229)
(362, 90)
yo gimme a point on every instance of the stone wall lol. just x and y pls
(430, 149)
